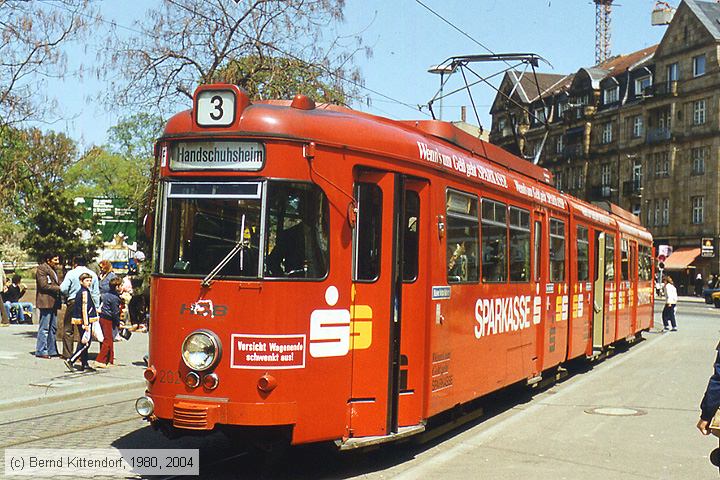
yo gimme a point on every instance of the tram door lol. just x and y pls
(599, 292)
(386, 247)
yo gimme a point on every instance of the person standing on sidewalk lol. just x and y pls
(70, 287)
(47, 300)
(671, 298)
(4, 317)
(84, 315)
(711, 400)
(109, 318)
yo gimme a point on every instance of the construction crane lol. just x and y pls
(602, 30)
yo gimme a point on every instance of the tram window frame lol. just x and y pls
(624, 260)
(367, 249)
(411, 236)
(537, 245)
(461, 211)
(494, 216)
(519, 233)
(609, 257)
(644, 263)
(583, 253)
(557, 244)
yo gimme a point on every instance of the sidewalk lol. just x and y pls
(30, 381)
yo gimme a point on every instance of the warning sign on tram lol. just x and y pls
(268, 351)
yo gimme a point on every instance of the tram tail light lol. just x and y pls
(210, 381)
(150, 374)
(267, 383)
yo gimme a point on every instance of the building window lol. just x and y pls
(698, 160)
(559, 144)
(699, 112)
(559, 179)
(662, 164)
(637, 126)
(699, 65)
(698, 214)
(605, 175)
(656, 217)
(561, 107)
(539, 116)
(607, 133)
(581, 178)
(665, 211)
(671, 72)
(610, 95)
(641, 84)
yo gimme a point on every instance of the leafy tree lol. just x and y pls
(57, 225)
(33, 34)
(186, 42)
(281, 77)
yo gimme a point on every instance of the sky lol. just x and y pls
(407, 39)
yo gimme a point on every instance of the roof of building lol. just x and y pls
(708, 13)
(621, 63)
(528, 89)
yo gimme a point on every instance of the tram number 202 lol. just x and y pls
(169, 376)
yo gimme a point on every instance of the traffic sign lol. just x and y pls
(661, 258)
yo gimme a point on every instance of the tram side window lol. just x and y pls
(411, 222)
(519, 245)
(297, 231)
(368, 231)
(494, 241)
(557, 250)
(462, 238)
(583, 255)
(609, 257)
(645, 264)
(624, 259)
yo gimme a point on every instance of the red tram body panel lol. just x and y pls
(347, 277)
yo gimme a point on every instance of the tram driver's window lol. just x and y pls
(368, 231)
(297, 231)
(583, 255)
(494, 241)
(462, 238)
(519, 245)
(557, 250)
(609, 257)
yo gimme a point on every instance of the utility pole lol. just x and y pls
(602, 30)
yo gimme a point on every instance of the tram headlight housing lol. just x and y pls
(201, 350)
(144, 406)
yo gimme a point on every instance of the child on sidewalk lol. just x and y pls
(84, 315)
(109, 319)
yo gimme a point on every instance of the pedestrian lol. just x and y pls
(12, 295)
(70, 287)
(140, 289)
(699, 285)
(47, 300)
(109, 320)
(84, 315)
(4, 317)
(668, 313)
(106, 274)
(711, 400)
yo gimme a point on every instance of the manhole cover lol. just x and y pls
(616, 411)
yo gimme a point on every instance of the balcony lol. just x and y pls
(632, 188)
(579, 112)
(600, 192)
(572, 152)
(657, 135)
(662, 89)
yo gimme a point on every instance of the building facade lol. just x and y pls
(640, 130)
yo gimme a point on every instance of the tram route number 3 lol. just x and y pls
(215, 108)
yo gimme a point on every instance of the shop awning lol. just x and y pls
(681, 258)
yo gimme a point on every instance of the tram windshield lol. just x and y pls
(204, 222)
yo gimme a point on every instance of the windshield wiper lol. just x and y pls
(239, 247)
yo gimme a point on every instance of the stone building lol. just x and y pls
(640, 130)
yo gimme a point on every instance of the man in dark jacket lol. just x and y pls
(47, 301)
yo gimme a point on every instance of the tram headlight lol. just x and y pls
(144, 406)
(201, 350)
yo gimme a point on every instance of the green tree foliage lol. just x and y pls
(57, 225)
(280, 77)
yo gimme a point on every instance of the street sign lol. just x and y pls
(664, 250)
(707, 248)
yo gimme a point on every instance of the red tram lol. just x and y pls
(323, 274)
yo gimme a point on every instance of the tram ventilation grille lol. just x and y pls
(190, 418)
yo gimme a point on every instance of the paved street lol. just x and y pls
(631, 417)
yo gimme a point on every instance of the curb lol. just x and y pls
(70, 394)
